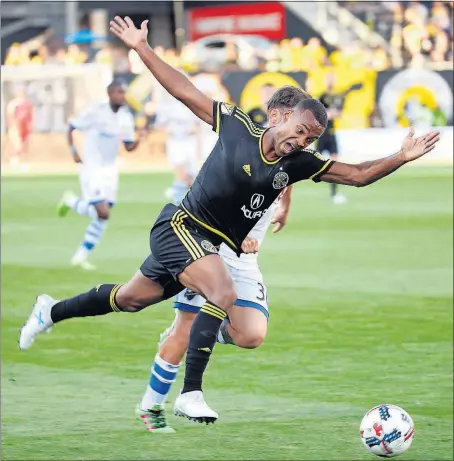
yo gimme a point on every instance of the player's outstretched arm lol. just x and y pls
(366, 173)
(171, 79)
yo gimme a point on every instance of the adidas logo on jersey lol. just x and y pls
(247, 169)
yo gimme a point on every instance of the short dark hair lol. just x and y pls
(287, 97)
(115, 85)
(316, 107)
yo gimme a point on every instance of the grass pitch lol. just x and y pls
(361, 314)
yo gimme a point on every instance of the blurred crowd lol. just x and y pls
(420, 35)
(418, 32)
(426, 33)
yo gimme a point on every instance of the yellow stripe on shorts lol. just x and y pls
(184, 236)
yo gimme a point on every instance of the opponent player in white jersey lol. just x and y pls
(105, 126)
(182, 144)
(247, 323)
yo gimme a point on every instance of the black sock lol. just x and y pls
(201, 343)
(333, 188)
(98, 301)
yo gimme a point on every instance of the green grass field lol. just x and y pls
(361, 314)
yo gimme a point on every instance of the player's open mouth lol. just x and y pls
(288, 147)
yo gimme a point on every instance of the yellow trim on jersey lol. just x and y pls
(249, 122)
(253, 130)
(321, 169)
(113, 305)
(268, 162)
(211, 229)
(184, 236)
(218, 117)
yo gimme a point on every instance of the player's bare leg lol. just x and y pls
(98, 212)
(210, 277)
(164, 372)
(133, 296)
(245, 327)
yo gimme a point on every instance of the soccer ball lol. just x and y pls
(387, 430)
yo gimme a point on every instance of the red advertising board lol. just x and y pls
(266, 19)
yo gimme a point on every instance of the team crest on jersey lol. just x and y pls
(280, 180)
(208, 246)
(227, 108)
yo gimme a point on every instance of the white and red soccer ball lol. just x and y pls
(387, 430)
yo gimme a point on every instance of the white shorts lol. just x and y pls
(98, 185)
(182, 153)
(249, 286)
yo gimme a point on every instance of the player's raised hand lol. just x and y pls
(413, 148)
(128, 33)
(250, 245)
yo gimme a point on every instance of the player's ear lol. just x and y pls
(274, 117)
(286, 114)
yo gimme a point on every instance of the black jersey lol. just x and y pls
(237, 184)
(332, 101)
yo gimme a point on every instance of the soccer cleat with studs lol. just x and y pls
(39, 321)
(154, 419)
(192, 405)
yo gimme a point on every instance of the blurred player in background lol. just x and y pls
(20, 118)
(209, 84)
(189, 141)
(247, 323)
(105, 126)
(182, 144)
(327, 144)
(259, 114)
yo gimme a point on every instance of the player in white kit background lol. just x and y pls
(105, 127)
(189, 140)
(247, 323)
(182, 144)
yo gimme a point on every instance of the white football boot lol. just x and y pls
(39, 321)
(192, 405)
(339, 199)
(80, 259)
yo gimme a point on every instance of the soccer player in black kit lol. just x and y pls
(243, 175)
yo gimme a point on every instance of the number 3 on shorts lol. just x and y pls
(262, 294)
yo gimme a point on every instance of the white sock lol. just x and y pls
(163, 375)
(81, 206)
(93, 235)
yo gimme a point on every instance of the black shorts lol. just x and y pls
(175, 243)
(328, 142)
